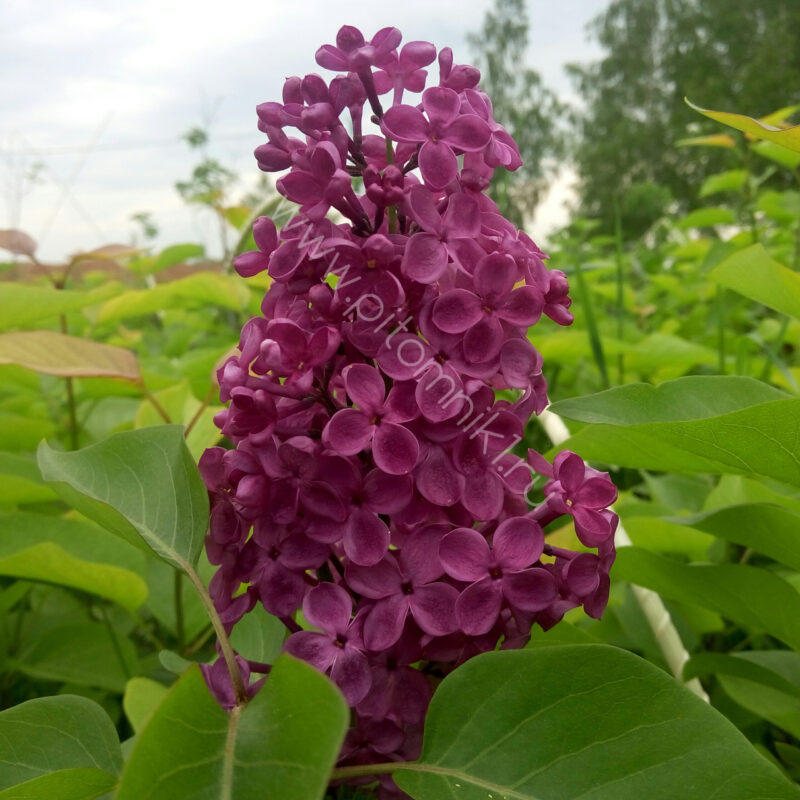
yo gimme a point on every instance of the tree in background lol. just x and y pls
(721, 53)
(529, 110)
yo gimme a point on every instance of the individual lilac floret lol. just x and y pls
(403, 584)
(338, 645)
(503, 572)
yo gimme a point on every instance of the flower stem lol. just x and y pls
(222, 637)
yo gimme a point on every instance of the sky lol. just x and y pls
(98, 92)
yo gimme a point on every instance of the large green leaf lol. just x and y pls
(55, 735)
(747, 595)
(140, 483)
(693, 397)
(258, 636)
(71, 553)
(758, 440)
(755, 274)
(283, 744)
(581, 721)
(769, 529)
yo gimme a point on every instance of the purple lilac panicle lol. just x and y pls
(373, 481)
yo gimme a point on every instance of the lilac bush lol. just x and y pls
(377, 407)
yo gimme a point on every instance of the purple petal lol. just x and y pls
(320, 498)
(465, 555)
(384, 623)
(594, 527)
(437, 479)
(517, 543)
(366, 538)
(419, 555)
(387, 494)
(377, 581)
(351, 674)
(495, 275)
(582, 574)
(251, 263)
(364, 387)
(348, 432)
(403, 356)
(596, 493)
(468, 133)
(520, 362)
(405, 124)
(483, 340)
(441, 105)
(328, 607)
(423, 209)
(433, 607)
(457, 311)
(300, 187)
(462, 219)
(522, 307)
(314, 648)
(265, 234)
(440, 393)
(394, 448)
(483, 494)
(425, 258)
(401, 405)
(281, 590)
(478, 607)
(570, 471)
(437, 163)
(530, 590)
(416, 54)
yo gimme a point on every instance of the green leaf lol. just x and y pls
(765, 682)
(693, 397)
(774, 152)
(73, 554)
(769, 529)
(730, 181)
(21, 482)
(785, 137)
(21, 304)
(54, 353)
(707, 218)
(51, 734)
(83, 653)
(669, 537)
(81, 783)
(752, 441)
(200, 289)
(23, 432)
(177, 254)
(750, 596)
(581, 721)
(282, 744)
(755, 274)
(258, 636)
(140, 483)
(142, 697)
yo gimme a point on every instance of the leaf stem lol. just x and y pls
(362, 770)
(222, 637)
(591, 324)
(156, 405)
(180, 630)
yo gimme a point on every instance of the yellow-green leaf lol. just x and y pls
(785, 137)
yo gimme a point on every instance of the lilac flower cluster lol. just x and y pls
(373, 482)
